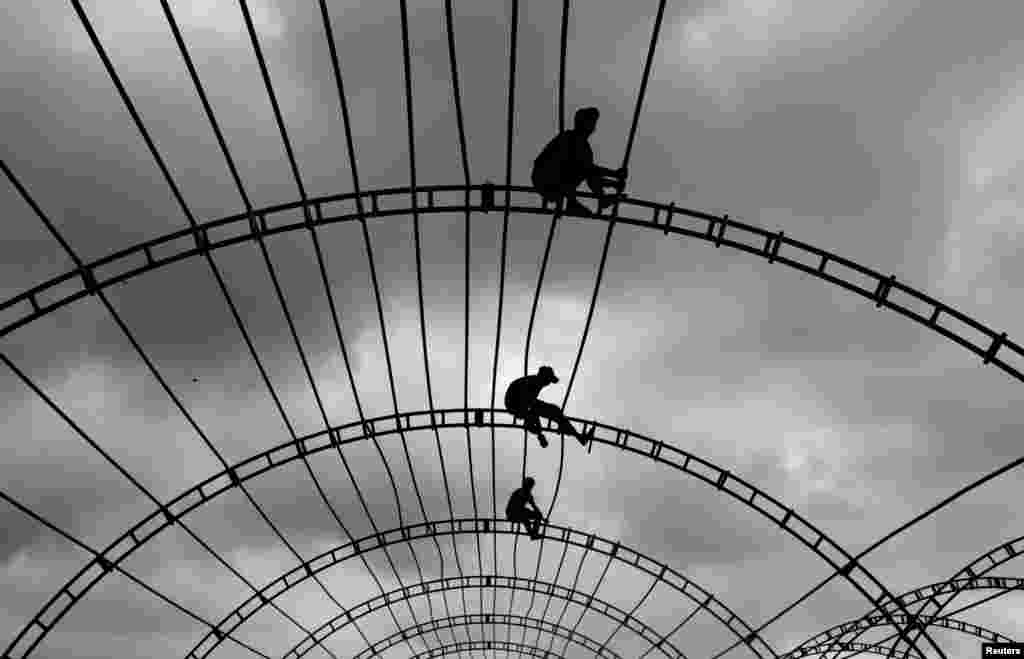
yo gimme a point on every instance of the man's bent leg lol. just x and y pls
(549, 411)
(532, 424)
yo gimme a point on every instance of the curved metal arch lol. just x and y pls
(540, 587)
(476, 646)
(941, 594)
(786, 518)
(241, 227)
(833, 635)
(913, 621)
(502, 619)
(859, 647)
(985, 563)
(410, 532)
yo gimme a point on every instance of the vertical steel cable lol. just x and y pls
(361, 209)
(409, 115)
(575, 582)
(513, 38)
(593, 594)
(629, 615)
(464, 158)
(114, 566)
(558, 573)
(249, 207)
(184, 206)
(134, 481)
(682, 623)
(564, 46)
(298, 180)
(655, 32)
(145, 358)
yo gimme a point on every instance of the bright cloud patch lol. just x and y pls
(733, 39)
(987, 217)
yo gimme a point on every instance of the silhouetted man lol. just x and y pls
(523, 509)
(568, 160)
(521, 401)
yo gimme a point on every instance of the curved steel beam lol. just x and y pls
(984, 564)
(241, 227)
(550, 589)
(941, 594)
(912, 622)
(430, 529)
(728, 483)
(860, 648)
(502, 619)
(832, 637)
(494, 645)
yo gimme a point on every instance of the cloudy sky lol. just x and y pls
(888, 132)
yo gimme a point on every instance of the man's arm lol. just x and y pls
(585, 160)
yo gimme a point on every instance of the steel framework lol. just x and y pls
(205, 239)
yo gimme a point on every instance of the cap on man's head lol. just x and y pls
(586, 114)
(548, 373)
(528, 481)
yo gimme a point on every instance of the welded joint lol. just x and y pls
(257, 223)
(883, 288)
(772, 244)
(721, 230)
(997, 343)
(89, 280)
(487, 197)
(202, 238)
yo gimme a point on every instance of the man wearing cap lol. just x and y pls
(568, 160)
(521, 400)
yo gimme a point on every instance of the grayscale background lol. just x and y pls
(888, 132)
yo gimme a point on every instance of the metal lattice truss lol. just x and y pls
(911, 618)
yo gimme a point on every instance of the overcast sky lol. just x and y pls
(888, 132)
